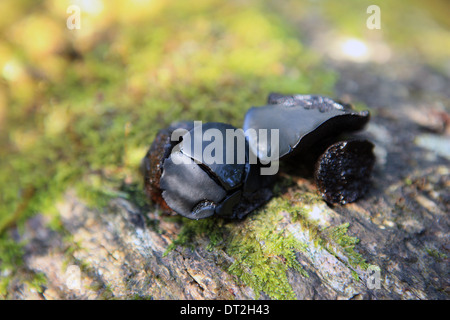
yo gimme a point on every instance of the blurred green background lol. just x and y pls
(79, 108)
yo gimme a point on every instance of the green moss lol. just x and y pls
(211, 229)
(408, 181)
(38, 281)
(301, 214)
(106, 292)
(87, 124)
(10, 253)
(436, 254)
(334, 239)
(141, 297)
(10, 259)
(264, 251)
(11, 265)
(135, 193)
(337, 239)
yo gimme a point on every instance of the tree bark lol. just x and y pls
(402, 224)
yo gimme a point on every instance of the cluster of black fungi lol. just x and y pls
(313, 134)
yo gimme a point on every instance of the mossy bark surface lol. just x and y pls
(391, 244)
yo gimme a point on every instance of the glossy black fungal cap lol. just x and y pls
(218, 155)
(198, 183)
(302, 121)
(188, 189)
(343, 171)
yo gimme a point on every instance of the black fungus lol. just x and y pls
(309, 128)
(301, 121)
(196, 187)
(343, 171)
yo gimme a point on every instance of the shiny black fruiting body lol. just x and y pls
(304, 121)
(342, 172)
(308, 125)
(197, 189)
